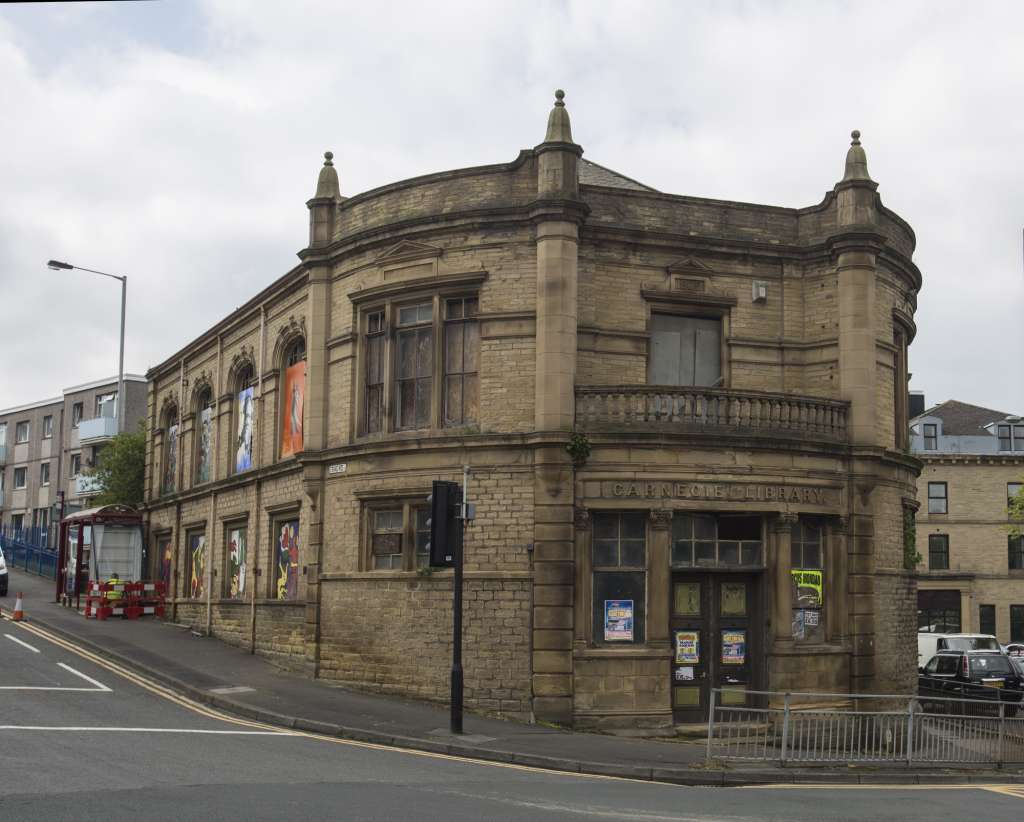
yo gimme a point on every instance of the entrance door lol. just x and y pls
(716, 641)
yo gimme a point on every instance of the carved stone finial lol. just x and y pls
(327, 184)
(581, 519)
(328, 158)
(856, 160)
(855, 134)
(559, 128)
(559, 97)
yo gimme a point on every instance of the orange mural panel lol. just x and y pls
(291, 423)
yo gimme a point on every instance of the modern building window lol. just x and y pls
(708, 541)
(1011, 437)
(244, 423)
(619, 564)
(685, 351)
(76, 464)
(106, 404)
(399, 534)
(47, 427)
(203, 436)
(1017, 623)
(1012, 490)
(293, 398)
(20, 477)
(44, 473)
(77, 410)
(938, 502)
(461, 361)
(1015, 552)
(169, 482)
(21, 432)
(938, 552)
(431, 349)
(931, 436)
(938, 612)
(987, 619)
(17, 521)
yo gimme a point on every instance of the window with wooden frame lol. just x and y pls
(1012, 491)
(685, 350)
(420, 364)
(931, 436)
(619, 574)
(900, 393)
(806, 557)
(938, 500)
(397, 535)
(938, 552)
(1015, 552)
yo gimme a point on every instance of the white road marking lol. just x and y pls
(21, 643)
(99, 685)
(91, 729)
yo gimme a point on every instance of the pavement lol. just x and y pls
(213, 673)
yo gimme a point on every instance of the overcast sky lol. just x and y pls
(177, 142)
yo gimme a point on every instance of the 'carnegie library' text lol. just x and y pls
(734, 491)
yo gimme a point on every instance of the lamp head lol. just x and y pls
(57, 265)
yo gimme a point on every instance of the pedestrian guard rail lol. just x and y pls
(27, 549)
(129, 600)
(819, 728)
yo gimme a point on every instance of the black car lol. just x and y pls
(987, 675)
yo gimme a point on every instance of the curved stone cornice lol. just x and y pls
(291, 331)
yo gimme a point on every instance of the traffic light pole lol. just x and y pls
(457, 680)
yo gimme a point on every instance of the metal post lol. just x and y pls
(711, 722)
(456, 677)
(785, 728)
(1002, 732)
(120, 362)
(910, 731)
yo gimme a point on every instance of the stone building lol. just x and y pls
(971, 574)
(45, 445)
(685, 420)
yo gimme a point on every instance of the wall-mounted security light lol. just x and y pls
(760, 291)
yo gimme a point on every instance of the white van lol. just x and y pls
(930, 644)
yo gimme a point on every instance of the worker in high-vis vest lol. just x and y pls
(114, 580)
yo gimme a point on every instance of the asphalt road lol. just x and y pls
(81, 741)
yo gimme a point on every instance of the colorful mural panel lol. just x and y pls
(205, 444)
(171, 466)
(288, 560)
(243, 444)
(164, 553)
(197, 565)
(236, 562)
(291, 423)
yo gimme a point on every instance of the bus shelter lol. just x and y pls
(95, 544)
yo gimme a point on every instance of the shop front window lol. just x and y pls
(619, 560)
(710, 541)
(807, 550)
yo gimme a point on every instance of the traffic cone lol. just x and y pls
(19, 613)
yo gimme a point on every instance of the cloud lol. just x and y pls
(178, 143)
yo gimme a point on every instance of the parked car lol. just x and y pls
(1014, 649)
(930, 644)
(3, 574)
(987, 675)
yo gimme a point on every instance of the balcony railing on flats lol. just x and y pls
(687, 409)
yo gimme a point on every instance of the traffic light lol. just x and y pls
(444, 500)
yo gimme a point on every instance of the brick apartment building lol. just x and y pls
(669, 405)
(971, 575)
(45, 445)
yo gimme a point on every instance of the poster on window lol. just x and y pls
(687, 647)
(205, 444)
(243, 443)
(236, 562)
(618, 620)
(807, 588)
(291, 423)
(288, 560)
(165, 564)
(197, 577)
(171, 469)
(734, 647)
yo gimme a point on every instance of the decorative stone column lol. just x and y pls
(659, 582)
(838, 605)
(782, 610)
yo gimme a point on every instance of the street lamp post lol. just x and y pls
(57, 265)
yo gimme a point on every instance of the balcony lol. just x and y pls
(98, 429)
(686, 409)
(86, 486)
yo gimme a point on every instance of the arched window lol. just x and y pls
(293, 397)
(170, 455)
(204, 436)
(244, 418)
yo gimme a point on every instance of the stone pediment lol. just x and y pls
(690, 265)
(407, 250)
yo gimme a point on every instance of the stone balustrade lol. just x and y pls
(689, 409)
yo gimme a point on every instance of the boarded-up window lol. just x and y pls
(414, 366)
(387, 539)
(375, 341)
(685, 350)
(461, 361)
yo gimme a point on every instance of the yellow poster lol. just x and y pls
(808, 588)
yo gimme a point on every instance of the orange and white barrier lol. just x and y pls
(19, 608)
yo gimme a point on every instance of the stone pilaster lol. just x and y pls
(781, 564)
(658, 577)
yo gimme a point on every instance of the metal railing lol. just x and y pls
(688, 409)
(27, 549)
(863, 728)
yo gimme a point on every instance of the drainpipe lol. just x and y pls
(214, 454)
(257, 518)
